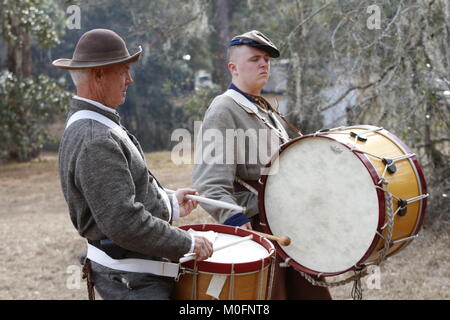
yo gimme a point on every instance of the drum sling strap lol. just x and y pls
(273, 124)
(267, 106)
(252, 108)
(97, 255)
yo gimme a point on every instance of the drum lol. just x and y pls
(347, 197)
(239, 272)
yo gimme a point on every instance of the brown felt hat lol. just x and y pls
(258, 40)
(98, 48)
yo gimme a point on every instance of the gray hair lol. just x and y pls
(79, 76)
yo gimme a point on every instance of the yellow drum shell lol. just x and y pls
(405, 183)
(251, 286)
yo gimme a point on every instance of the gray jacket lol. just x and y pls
(109, 190)
(215, 177)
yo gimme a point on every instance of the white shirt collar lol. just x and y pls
(97, 104)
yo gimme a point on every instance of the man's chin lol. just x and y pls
(263, 82)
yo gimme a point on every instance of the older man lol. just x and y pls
(232, 174)
(114, 201)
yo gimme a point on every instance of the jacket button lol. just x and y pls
(158, 195)
(150, 179)
(165, 213)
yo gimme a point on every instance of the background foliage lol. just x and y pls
(340, 70)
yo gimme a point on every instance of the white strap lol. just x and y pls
(130, 265)
(87, 114)
(216, 285)
(250, 107)
(160, 268)
(285, 136)
(241, 100)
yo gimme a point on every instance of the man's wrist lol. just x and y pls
(192, 244)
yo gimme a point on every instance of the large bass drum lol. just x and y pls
(347, 197)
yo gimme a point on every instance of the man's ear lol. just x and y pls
(232, 67)
(96, 73)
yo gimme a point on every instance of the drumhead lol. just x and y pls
(246, 251)
(323, 197)
(247, 256)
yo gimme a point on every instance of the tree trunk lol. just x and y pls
(222, 12)
(14, 58)
(19, 62)
(27, 62)
(19, 54)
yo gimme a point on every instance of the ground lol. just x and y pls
(40, 245)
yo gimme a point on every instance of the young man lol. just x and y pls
(114, 201)
(243, 124)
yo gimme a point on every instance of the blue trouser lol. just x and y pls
(119, 285)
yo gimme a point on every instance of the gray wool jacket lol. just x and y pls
(241, 145)
(109, 190)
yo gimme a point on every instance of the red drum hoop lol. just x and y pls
(226, 268)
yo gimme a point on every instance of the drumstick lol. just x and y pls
(283, 240)
(217, 203)
(226, 245)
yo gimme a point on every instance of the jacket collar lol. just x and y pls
(96, 103)
(251, 107)
(233, 86)
(242, 101)
(77, 105)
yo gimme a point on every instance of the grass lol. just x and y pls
(40, 245)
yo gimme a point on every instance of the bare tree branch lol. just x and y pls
(362, 87)
(341, 23)
(385, 31)
(433, 142)
(294, 31)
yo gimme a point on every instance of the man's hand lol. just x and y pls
(203, 248)
(247, 226)
(186, 205)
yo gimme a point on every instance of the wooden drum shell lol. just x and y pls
(249, 280)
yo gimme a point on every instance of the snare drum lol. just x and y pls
(239, 272)
(347, 197)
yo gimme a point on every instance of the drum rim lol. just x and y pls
(418, 171)
(414, 162)
(422, 183)
(417, 168)
(229, 268)
(381, 208)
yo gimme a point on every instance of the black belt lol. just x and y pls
(117, 252)
(253, 183)
(110, 248)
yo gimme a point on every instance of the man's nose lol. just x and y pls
(129, 78)
(264, 63)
